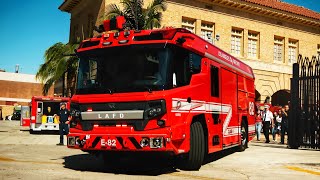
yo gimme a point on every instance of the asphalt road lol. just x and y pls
(25, 156)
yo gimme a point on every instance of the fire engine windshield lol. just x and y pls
(135, 69)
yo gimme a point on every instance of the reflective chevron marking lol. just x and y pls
(182, 106)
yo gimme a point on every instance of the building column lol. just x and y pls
(198, 27)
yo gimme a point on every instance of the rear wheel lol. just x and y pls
(194, 159)
(244, 137)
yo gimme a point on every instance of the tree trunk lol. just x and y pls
(63, 84)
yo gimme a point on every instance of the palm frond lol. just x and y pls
(153, 21)
(46, 87)
(133, 10)
(112, 11)
(158, 5)
(153, 14)
(56, 64)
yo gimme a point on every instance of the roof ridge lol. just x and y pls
(287, 7)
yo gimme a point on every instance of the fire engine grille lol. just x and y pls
(138, 124)
(119, 106)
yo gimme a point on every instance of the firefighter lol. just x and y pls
(267, 120)
(64, 117)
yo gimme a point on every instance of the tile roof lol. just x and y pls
(277, 4)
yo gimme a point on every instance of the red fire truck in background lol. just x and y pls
(43, 110)
(164, 90)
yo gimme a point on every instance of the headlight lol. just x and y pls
(74, 110)
(75, 113)
(155, 109)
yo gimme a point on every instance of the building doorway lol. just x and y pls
(280, 98)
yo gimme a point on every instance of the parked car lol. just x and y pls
(15, 116)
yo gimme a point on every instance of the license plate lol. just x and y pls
(111, 142)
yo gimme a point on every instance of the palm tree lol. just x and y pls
(137, 17)
(59, 65)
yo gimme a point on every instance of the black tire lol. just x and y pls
(194, 159)
(244, 137)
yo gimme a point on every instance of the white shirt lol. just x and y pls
(278, 119)
(268, 116)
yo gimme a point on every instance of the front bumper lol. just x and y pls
(45, 127)
(119, 140)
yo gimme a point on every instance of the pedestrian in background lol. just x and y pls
(267, 120)
(64, 118)
(258, 124)
(276, 125)
(284, 122)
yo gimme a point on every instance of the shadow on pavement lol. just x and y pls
(139, 165)
(270, 145)
(219, 155)
(47, 132)
(151, 164)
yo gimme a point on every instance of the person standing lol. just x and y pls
(64, 117)
(258, 124)
(267, 120)
(284, 122)
(276, 125)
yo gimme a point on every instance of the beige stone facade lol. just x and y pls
(268, 39)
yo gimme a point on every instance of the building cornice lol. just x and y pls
(68, 5)
(264, 11)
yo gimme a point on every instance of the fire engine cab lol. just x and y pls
(43, 112)
(164, 90)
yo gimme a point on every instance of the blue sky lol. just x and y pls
(29, 27)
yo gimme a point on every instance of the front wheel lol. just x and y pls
(244, 137)
(194, 159)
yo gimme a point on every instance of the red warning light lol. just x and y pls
(114, 23)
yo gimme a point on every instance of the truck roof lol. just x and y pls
(48, 98)
(178, 36)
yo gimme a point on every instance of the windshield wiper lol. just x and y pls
(110, 91)
(148, 89)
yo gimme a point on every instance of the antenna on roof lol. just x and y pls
(17, 68)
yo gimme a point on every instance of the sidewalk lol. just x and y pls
(263, 139)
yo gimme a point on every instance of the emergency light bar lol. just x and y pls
(116, 23)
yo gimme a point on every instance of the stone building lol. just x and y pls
(266, 34)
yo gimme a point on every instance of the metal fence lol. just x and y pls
(304, 115)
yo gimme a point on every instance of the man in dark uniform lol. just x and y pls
(64, 117)
(284, 122)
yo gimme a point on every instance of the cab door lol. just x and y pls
(39, 112)
(214, 104)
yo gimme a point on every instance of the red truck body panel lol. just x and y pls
(222, 114)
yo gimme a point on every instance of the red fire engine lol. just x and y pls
(164, 90)
(43, 110)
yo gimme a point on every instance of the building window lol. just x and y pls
(278, 49)
(236, 41)
(293, 53)
(189, 24)
(253, 44)
(318, 49)
(207, 31)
